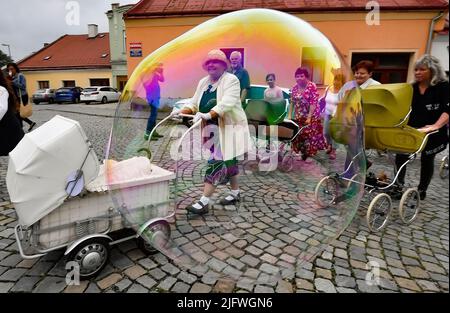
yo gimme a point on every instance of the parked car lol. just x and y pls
(68, 94)
(43, 95)
(99, 94)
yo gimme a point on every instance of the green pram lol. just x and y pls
(385, 110)
(261, 115)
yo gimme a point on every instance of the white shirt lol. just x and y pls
(331, 101)
(4, 95)
(273, 94)
(352, 84)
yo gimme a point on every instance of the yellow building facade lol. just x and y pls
(59, 78)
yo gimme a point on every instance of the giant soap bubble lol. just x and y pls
(290, 209)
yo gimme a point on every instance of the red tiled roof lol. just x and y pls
(149, 8)
(71, 52)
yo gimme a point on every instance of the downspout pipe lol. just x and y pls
(430, 34)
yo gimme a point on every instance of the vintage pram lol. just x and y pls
(386, 109)
(62, 200)
(273, 130)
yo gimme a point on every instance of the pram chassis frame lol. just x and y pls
(382, 189)
(411, 157)
(31, 233)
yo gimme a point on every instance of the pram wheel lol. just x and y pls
(155, 233)
(409, 205)
(91, 256)
(266, 166)
(287, 162)
(379, 211)
(326, 191)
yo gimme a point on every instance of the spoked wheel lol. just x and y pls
(443, 168)
(379, 211)
(326, 191)
(408, 208)
(354, 183)
(269, 160)
(156, 234)
(267, 166)
(91, 256)
(287, 163)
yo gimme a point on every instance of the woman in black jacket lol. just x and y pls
(10, 130)
(429, 112)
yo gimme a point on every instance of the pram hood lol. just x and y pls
(41, 163)
(387, 105)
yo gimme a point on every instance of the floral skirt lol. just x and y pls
(311, 139)
(219, 171)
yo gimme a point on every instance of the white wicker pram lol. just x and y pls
(61, 196)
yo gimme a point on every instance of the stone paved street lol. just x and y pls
(258, 244)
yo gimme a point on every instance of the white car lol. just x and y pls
(99, 94)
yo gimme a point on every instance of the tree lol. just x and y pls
(4, 59)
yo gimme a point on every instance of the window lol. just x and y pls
(228, 52)
(43, 84)
(314, 60)
(68, 83)
(389, 67)
(99, 81)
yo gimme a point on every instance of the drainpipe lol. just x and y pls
(430, 34)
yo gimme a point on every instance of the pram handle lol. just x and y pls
(170, 116)
(424, 141)
(300, 129)
(180, 141)
(186, 115)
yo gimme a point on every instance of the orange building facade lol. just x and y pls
(400, 37)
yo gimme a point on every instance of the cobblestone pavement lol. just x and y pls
(265, 238)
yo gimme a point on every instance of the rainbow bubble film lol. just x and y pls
(290, 209)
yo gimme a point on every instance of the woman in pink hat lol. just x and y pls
(217, 103)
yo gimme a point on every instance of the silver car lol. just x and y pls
(43, 95)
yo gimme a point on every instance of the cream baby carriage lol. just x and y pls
(386, 109)
(60, 195)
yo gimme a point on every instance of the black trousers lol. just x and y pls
(27, 120)
(426, 169)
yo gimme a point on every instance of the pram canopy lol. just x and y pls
(41, 163)
(386, 105)
(386, 108)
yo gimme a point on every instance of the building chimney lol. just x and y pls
(92, 30)
(46, 44)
